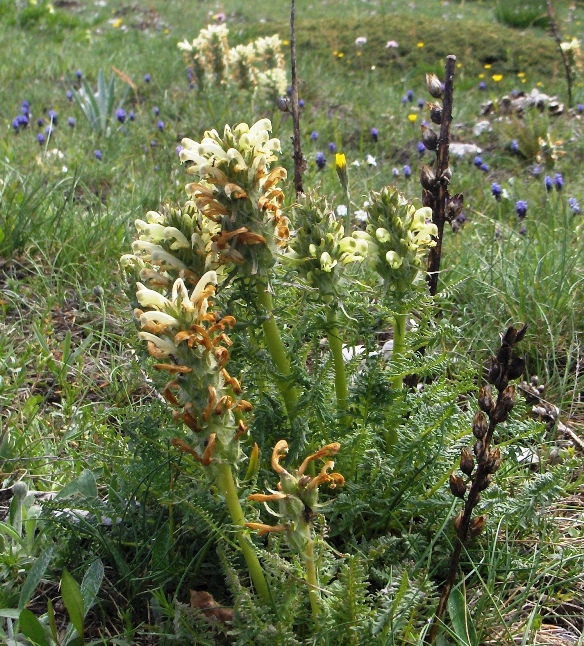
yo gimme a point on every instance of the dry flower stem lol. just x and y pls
(440, 190)
(558, 38)
(299, 163)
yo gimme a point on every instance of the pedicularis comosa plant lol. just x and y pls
(233, 241)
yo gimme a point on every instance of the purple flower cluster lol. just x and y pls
(320, 160)
(574, 206)
(521, 209)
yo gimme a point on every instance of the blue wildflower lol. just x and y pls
(49, 130)
(160, 125)
(478, 161)
(314, 135)
(484, 167)
(548, 183)
(514, 146)
(156, 110)
(53, 116)
(558, 182)
(395, 172)
(289, 90)
(131, 116)
(421, 148)
(482, 85)
(179, 149)
(40, 138)
(69, 95)
(536, 171)
(300, 103)
(147, 78)
(410, 95)
(496, 190)
(522, 229)
(580, 108)
(71, 122)
(16, 124)
(521, 209)
(332, 147)
(40, 122)
(78, 74)
(421, 103)
(374, 134)
(98, 154)
(320, 160)
(407, 171)
(120, 115)
(574, 206)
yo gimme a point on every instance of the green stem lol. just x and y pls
(227, 485)
(399, 345)
(336, 346)
(312, 579)
(276, 348)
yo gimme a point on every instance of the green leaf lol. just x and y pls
(32, 628)
(52, 622)
(71, 593)
(461, 621)
(91, 584)
(7, 529)
(10, 613)
(36, 573)
(84, 484)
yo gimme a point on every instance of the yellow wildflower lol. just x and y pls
(488, 66)
(412, 117)
(497, 77)
(420, 45)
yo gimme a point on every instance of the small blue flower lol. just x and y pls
(26, 105)
(410, 95)
(71, 122)
(478, 161)
(131, 116)
(69, 95)
(40, 138)
(482, 85)
(153, 143)
(548, 183)
(407, 171)
(374, 134)
(314, 135)
(40, 122)
(580, 108)
(521, 209)
(179, 149)
(395, 172)
(320, 160)
(558, 182)
(496, 190)
(78, 74)
(404, 100)
(332, 147)
(156, 110)
(536, 171)
(300, 103)
(289, 90)
(574, 206)
(147, 78)
(160, 125)
(98, 154)
(421, 103)
(522, 229)
(16, 124)
(53, 116)
(121, 115)
(421, 148)
(484, 167)
(49, 130)
(514, 146)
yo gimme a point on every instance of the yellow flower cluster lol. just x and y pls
(238, 190)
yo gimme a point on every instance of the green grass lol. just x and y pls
(76, 392)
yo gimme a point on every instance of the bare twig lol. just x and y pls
(299, 161)
(558, 38)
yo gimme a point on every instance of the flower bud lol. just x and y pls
(486, 399)
(427, 178)
(494, 371)
(429, 138)
(466, 461)
(494, 460)
(484, 483)
(516, 368)
(435, 113)
(479, 425)
(458, 521)
(283, 104)
(434, 85)
(457, 486)
(505, 403)
(476, 526)
(479, 448)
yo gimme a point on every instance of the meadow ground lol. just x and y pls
(82, 417)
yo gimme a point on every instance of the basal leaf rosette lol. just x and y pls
(319, 250)
(191, 344)
(238, 190)
(399, 238)
(175, 242)
(297, 494)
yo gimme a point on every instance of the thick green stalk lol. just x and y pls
(336, 346)
(229, 490)
(276, 348)
(312, 579)
(399, 345)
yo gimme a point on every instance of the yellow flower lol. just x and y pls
(340, 161)
(340, 55)
(459, 65)
(285, 42)
(412, 117)
(539, 84)
(117, 23)
(497, 77)
(521, 75)
(488, 66)
(420, 45)
(481, 76)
